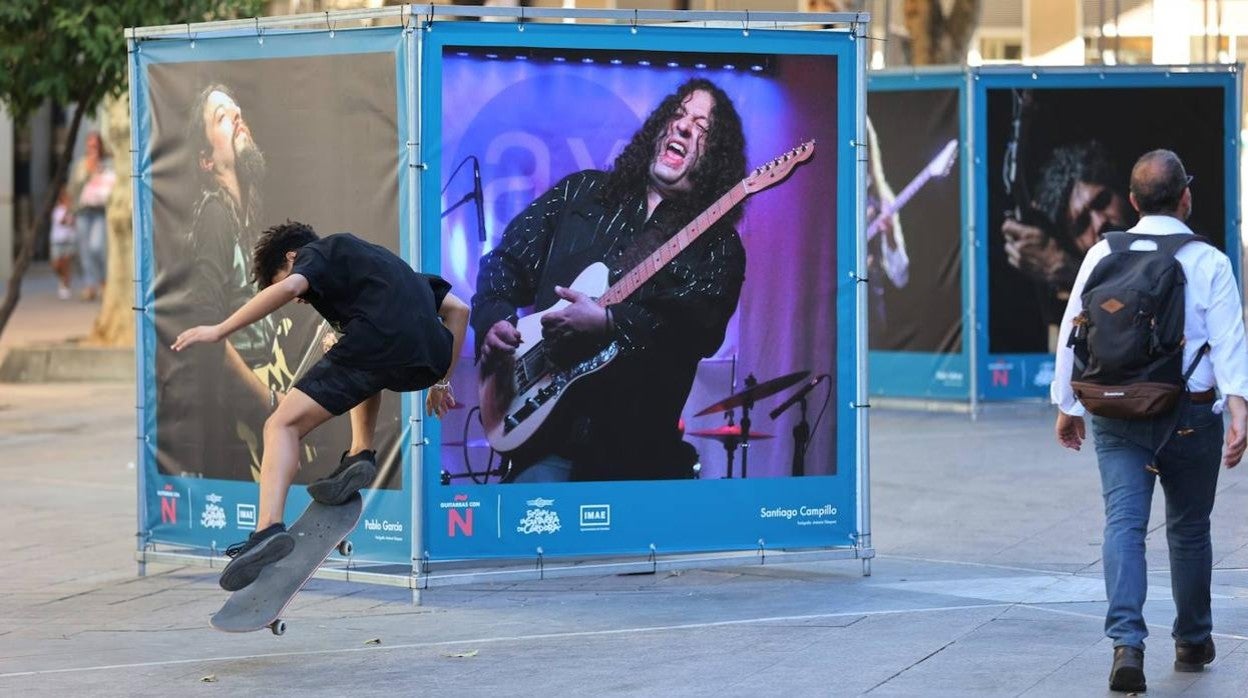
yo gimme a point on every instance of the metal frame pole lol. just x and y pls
(413, 44)
(862, 411)
(970, 245)
(140, 382)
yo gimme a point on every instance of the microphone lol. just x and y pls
(479, 196)
(801, 393)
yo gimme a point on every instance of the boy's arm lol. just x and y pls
(260, 305)
(454, 314)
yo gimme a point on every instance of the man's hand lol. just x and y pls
(1237, 431)
(195, 335)
(1033, 252)
(583, 317)
(887, 229)
(1071, 431)
(328, 340)
(501, 341)
(439, 400)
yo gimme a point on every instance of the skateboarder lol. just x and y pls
(400, 330)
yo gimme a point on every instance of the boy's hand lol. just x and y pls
(195, 335)
(439, 400)
(328, 340)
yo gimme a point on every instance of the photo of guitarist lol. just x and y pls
(623, 423)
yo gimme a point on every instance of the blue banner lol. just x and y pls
(558, 150)
(919, 286)
(1056, 147)
(236, 133)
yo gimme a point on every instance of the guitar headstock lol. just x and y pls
(776, 170)
(943, 162)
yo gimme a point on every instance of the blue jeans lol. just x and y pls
(92, 228)
(1189, 466)
(548, 468)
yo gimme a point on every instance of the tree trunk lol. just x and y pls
(922, 19)
(960, 27)
(936, 37)
(43, 221)
(114, 326)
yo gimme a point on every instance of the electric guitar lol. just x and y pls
(516, 403)
(938, 167)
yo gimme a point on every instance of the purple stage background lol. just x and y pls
(532, 121)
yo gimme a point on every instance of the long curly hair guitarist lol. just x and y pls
(688, 152)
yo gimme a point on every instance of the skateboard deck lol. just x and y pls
(319, 530)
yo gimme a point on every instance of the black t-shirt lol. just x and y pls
(386, 313)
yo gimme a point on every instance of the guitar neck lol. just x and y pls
(895, 205)
(666, 252)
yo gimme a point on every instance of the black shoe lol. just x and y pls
(1127, 674)
(261, 549)
(1189, 657)
(353, 474)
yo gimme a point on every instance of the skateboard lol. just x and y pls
(319, 530)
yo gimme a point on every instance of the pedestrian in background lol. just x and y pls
(64, 240)
(90, 186)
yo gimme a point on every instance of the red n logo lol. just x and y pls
(461, 519)
(168, 510)
(1001, 377)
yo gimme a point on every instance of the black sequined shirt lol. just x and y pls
(623, 425)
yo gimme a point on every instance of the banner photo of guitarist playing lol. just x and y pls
(689, 151)
(646, 238)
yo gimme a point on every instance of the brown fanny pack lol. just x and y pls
(1135, 401)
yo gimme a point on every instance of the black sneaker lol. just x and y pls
(353, 474)
(261, 549)
(1188, 657)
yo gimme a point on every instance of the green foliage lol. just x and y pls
(74, 51)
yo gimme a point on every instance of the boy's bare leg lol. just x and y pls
(296, 415)
(364, 424)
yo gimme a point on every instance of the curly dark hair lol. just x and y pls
(721, 168)
(1070, 164)
(269, 255)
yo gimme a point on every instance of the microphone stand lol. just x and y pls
(801, 436)
(750, 382)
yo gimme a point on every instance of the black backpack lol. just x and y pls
(1128, 341)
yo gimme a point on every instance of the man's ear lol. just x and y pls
(1134, 204)
(205, 161)
(290, 256)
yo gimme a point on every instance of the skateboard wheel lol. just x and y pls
(345, 548)
(278, 627)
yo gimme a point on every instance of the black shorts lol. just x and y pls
(338, 387)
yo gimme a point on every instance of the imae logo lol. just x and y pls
(595, 517)
(459, 515)
(168, 504)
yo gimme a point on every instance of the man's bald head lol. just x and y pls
(1158, 181)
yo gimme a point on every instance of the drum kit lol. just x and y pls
(732, 436)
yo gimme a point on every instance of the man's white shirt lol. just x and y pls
(1212, 313)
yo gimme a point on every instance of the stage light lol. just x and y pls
(559, 59)
(700, 66)
(491, 55)
(587, 60)
(756, 68)
(643, 62)
(522, 57)
(461, 54)
(673, 64)
(729, 66)
(616, 61)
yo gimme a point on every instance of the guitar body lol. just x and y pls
(517, 401)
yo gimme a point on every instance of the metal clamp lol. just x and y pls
(330, 25)
(541, 564)
(762, 552)
(259, 32)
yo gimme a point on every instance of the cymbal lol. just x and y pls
(727, 433)
(756, 393)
